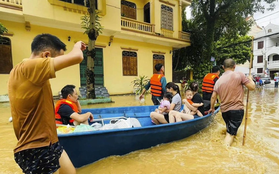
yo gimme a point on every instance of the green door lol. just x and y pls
(98, 69)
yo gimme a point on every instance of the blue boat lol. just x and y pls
(87, 147)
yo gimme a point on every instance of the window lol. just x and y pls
(260, 59)
(129, 63)
(158, 58)
(128, 9)
(260, 44)
(269, 30)
(166, 17)
(275, 57)
(259, 70)
(80, 2)
(5, 56)
(147, 12)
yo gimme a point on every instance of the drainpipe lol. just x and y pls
(265, 58)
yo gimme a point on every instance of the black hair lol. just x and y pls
(173, 86)
(168, 95)
(48, 42)
(66, 90)
(158, 66)
(215, 69)
(194, 86)
(229, 63)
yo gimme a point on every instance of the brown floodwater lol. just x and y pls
(202, 153)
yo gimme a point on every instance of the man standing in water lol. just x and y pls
(158, 84)
(32, 107)
(230, 89)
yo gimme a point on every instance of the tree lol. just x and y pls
(224, 18)
(92, 28)
(218, 29)
(239, 49)
(3, 30)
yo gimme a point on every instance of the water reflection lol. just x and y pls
(201, 153)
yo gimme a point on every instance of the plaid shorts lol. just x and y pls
(43, 160)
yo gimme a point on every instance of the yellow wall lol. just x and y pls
(51, 17)
(114, 80)
(21, 48)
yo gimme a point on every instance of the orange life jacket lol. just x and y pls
(156, 86)
(58, 118)
(208, 82)
(190, 101)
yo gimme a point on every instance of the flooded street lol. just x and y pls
(201, 153)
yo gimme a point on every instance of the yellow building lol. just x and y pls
(137, 34)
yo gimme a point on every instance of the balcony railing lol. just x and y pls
(131, 24)
(273, 64)
(167, 33)
(12, 4)
(184, 36)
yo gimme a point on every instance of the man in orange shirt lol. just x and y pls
(32, 107)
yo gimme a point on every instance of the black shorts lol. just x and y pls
(40, 160)
(166, 117)
(233, 120)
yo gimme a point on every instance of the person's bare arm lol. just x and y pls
(72, 58)
(143, 92)
(197, 104)
(188, 105)
(82, 117)
(250, 85)
(212, 102)
(172, 105)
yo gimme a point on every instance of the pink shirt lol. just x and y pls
(230, 89)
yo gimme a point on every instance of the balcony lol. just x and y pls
(11, 4)
(184, 35)
(147, 28)
(137, 26)
(273, 64)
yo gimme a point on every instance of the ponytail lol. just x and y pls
(194, 86)
(173, 86)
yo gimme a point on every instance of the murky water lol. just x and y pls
(201, 153)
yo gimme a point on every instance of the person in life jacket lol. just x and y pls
(157, 84)
(209, 81)
(67, 110)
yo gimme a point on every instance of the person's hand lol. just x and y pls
(211, 111)
(184, 100)
(81, 45)
(141, 96)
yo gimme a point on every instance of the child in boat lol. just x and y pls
(187, 110)
(165, 103)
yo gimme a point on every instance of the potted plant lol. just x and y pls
(138, 84)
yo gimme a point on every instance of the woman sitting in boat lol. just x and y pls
(158, 118)
(175, 116)
(68, 108)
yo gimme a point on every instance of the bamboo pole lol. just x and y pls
(247, 99)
